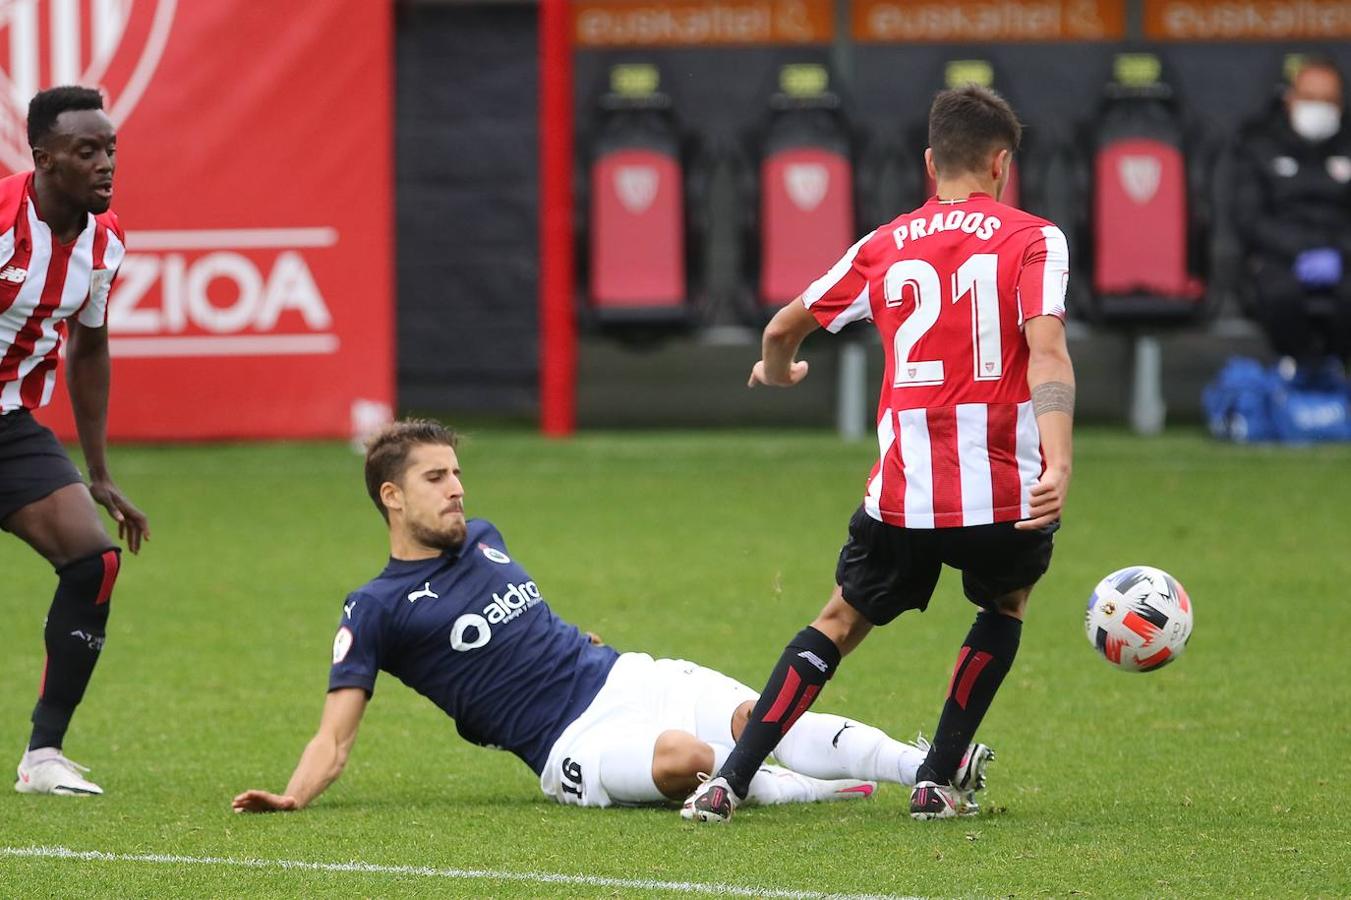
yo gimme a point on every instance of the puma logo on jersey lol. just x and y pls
(13, 274)
(425, 592)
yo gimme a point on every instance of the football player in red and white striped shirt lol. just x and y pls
(60, 247)
(973, 431)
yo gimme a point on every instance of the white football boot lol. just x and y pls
(712, 801)
(47, 771)
(970, 776)
(930, 800)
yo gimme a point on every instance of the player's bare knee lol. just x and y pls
(740, 717)
(843, 624)
(1013, 604)
(63, 527)
(677, 760)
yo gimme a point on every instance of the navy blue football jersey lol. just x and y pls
(470, 631)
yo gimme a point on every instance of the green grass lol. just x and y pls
(1224, 774)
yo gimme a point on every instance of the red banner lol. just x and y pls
(254, 182)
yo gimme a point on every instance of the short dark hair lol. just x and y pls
(387, 452)
(47, 105)
(966, 124)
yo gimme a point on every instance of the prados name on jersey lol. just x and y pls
(974, 223)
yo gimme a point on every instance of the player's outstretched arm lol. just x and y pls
(1050, 376)
(88, 373)
(322, 762)
(783, 335)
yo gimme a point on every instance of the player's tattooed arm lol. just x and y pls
(1053, 396)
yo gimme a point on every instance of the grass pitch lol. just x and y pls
(1223, 774)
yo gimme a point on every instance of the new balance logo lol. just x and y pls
(92, 641)
(13, 274)
(425, 592)
(813, 659)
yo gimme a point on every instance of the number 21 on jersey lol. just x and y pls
(977, 278)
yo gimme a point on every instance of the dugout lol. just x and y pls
(468, 88)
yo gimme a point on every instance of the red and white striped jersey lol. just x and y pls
(949, 287)
(42, 284)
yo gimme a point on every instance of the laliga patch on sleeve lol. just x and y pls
(494, 554)
(342, 642)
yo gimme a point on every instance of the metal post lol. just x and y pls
(1147, 406)
(852, 397)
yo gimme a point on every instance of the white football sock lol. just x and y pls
(774, 784)
(826, 746)
(41, 754)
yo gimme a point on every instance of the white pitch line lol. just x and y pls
(641, 884)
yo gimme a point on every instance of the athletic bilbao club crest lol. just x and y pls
(1140, 177)
(807, 184)
(113, 45)
(636, 187)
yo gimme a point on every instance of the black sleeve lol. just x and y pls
(1261, 233)
(358, 647)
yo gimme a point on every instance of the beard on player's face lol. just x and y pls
(432, 519)
(440, 535)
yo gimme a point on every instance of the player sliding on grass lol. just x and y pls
(60, 247)
(462, 623)
(973, 429)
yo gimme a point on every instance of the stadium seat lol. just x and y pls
(806, 190)
(636, 210)
(1146, 225)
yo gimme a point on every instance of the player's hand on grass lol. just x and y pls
(1047, 500)
(263, 801)
(796, 372)
(594, 639)
(132, 525)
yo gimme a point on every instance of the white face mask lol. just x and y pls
(1315, 120)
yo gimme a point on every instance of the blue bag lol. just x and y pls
(1238, 403)
(1248, 401)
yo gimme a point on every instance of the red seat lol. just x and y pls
(637, 235)
(1140, 222)
(806, 216)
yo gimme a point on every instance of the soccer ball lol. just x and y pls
(1139, 618)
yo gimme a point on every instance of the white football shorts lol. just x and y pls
(641, 698)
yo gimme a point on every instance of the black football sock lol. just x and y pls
(805, 666)
(74, 636)
(985, 658)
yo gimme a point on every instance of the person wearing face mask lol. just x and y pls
(1292, 204)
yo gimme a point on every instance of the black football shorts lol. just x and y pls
(33, 463)
(884, 570)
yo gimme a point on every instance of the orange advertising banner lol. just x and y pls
(1257, 20)
(933, 21)
(673, 23)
